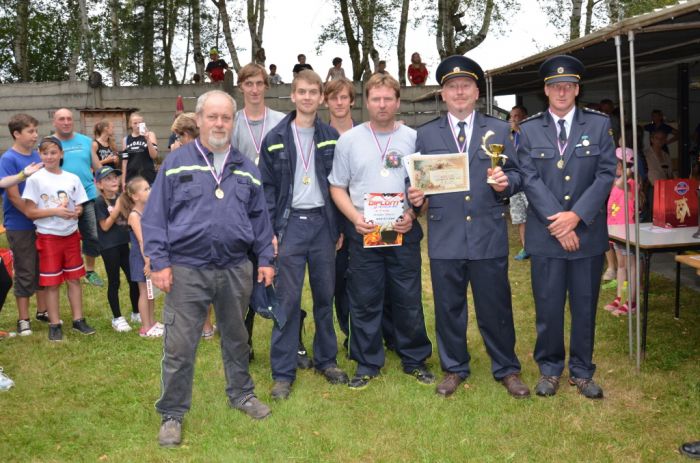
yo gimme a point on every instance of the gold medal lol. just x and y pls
(384, 173)
(560, 164)
(219, 193)
(306, 180)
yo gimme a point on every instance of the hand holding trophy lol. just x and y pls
(495, 152)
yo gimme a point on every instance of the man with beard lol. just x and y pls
(206, 210)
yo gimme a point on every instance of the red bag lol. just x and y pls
(6, 256)
(676, 203)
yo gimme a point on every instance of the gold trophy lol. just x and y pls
(495, 152)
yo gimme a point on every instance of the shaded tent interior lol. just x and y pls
(667, 63)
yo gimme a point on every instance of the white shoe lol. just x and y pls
(135, 317)
(5, 382)
(120, 325)
(154, 332)
(24, 328)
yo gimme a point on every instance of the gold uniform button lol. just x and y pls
(588, 152)
(567, 178)
(467, 198)
(469, 218)
(567, 197)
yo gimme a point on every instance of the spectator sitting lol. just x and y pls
(381, 67)
(216, 66)
(301, 65)
(336, 72)
(658, 123)
(273, 78)
(417, 71)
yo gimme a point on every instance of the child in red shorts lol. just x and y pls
(54, 199)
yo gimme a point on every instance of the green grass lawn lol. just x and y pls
(91, 398)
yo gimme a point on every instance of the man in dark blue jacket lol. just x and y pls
(295, 161)
(206, 210)
(567, 162)
(467, 234)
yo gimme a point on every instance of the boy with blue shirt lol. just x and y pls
(20, 230)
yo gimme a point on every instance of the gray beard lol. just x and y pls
(218, 143)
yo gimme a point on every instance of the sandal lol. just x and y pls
(624, 309)
(153, 332)
(614, 305)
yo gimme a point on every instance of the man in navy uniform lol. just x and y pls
(567, 162)
(467, 233)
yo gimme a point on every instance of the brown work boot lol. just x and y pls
(449, 384)
(515, 386)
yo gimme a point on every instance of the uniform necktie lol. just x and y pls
(562, 133)
(462, 135)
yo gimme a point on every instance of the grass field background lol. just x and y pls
(91, 398)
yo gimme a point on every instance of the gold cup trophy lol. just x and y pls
(495, 152)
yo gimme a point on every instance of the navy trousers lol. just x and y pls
(395, 271)
(493, 308)
(307, 240)
(551, 280)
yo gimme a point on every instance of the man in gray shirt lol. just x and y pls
(255, 120)
(295, 161)
(252, 123)
(368, 160)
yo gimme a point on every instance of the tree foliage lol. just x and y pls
(128, 41)
(576, 18)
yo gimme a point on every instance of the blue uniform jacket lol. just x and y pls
(278, 158)
(582, 186)
(468, 225)
(185, 224)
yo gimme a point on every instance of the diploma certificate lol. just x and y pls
(438, 173)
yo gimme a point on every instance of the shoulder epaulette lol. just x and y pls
(429, 122)
(534, 116)
(595, 111)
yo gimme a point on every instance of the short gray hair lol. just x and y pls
(201, 101)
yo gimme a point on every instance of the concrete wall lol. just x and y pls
(157, 104)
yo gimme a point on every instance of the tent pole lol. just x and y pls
(623, 144)
(635, 148)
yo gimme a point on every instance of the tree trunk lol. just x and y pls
(256, 23)
(170, 14)
(365, 13)
(148, 75)
(353, 44)
(469, 43)
(114, 50)
(86, 37)
(447, 28)
(21, 51)
(221, 6)
(197, 38)
(74, 42)
(575, 23)
(187, 47)
(401, 45)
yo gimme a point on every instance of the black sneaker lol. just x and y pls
(55, 332)
(422, 375)
(42, 316)
(334, 375)
(82, 326)
(304, 362)
(170, 434)
(359, 382)
(587, 387)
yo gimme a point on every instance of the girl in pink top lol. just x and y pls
(616, 216)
